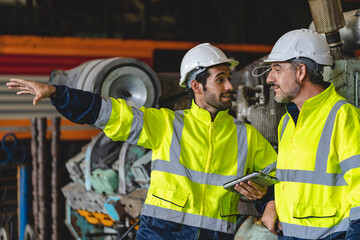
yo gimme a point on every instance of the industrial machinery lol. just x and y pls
(255, 102)
(110, 179)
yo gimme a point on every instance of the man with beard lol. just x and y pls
(319, 150)
(194, 151)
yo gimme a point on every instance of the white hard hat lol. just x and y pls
(202, 55)
(301, 43)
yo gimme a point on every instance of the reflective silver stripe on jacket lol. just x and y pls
(178, 126)
(308, 232)
(136, 126)
(242, 147)
(270, 168)
(319, 176)
(189, 219)
(350, 163)
(354, 213)
(104, 114)
(285, 122)
(173, 166)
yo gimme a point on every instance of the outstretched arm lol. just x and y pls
(76, 105)
(40, 90)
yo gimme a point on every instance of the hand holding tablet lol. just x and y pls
(259, 178)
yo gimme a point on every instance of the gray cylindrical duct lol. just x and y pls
(350, 34)
(327, 15)
(125, 78)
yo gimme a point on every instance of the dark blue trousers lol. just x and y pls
(352, 233)
(334, 236)
(154, 229)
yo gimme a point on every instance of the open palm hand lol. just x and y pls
(40, 90)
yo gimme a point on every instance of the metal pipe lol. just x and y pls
(43, 161)
(130, 229)
(55, 186)
(34, 174)
(23, 199)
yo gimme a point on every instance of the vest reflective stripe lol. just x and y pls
(269, 168)
(104, 113)
(136, 126)
(285, 122)
(324, 143)
(195, 176)
(355, 213)
(175, 148)
(350, 163)
(303, 176)
(189, 219)
(308, 232)
(175, 167)
(319, 176)
(242, 147)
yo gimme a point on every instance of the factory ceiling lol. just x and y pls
(230, 21)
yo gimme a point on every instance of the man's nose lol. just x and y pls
(270, 78)
(229, 86)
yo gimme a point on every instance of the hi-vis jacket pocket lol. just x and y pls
(168, 197)
(307, 211)
(229, 205)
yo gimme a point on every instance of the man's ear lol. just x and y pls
(301, 72)
(196, 86)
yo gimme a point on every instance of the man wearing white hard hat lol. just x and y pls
(195, 151)
(318, 165)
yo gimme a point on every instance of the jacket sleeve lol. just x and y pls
(260, 204)
(261, 154)
(346, 139)
(264, 158)
(76, 105)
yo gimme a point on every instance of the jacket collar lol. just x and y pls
(204, 115)
(318, 100)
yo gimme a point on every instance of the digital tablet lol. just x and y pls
(259, 178)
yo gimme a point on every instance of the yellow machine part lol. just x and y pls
(97, 218)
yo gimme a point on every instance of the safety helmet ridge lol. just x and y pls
(203, 55)
(301, 43)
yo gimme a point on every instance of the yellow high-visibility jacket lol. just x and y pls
(191, 159)
(319, 167)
